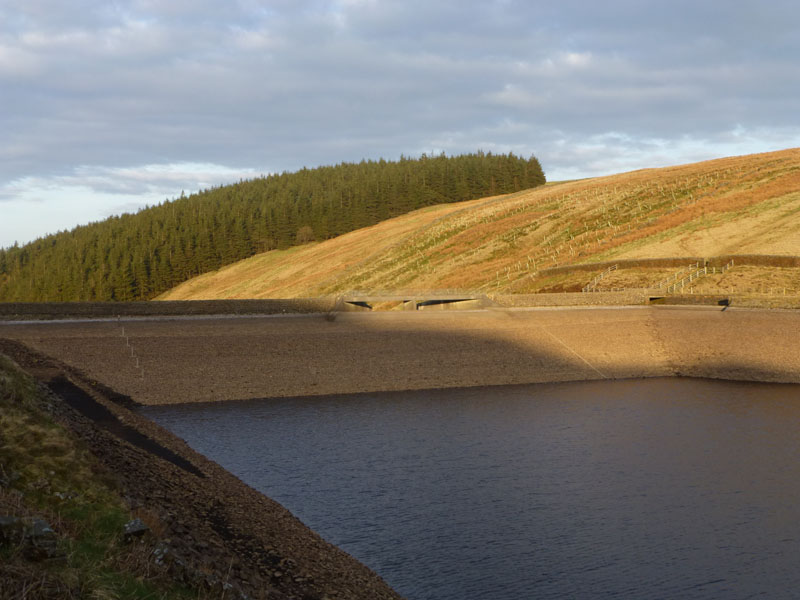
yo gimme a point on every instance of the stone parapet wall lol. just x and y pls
(72, 310)
(626, 298)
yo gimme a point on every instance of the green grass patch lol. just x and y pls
(52, 476)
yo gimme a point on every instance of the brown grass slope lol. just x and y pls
(739, 205)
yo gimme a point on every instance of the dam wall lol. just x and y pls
(11, 311)
(163, 361)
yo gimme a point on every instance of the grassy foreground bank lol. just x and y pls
(96, 501)
(63, 518)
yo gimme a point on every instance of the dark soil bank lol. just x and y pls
(208, 525)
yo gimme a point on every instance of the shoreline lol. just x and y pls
(145, 409)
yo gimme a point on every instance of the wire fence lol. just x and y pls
(592, 285)
(135, 360)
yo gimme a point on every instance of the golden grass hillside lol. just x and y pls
(738, 205)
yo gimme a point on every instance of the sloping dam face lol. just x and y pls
(163, 361)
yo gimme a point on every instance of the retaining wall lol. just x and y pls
(70, 310)
(629, 297)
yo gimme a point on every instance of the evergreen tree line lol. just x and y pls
(138, 256)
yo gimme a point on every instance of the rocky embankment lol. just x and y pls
(164, 361)
(205, 527)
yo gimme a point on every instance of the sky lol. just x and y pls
(109, 105)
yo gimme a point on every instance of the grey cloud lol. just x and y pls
(279, 85)
(155, 182)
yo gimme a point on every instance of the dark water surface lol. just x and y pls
(657, 488)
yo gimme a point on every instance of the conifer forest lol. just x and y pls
(138, 256)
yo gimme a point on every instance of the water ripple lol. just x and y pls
(661, 488)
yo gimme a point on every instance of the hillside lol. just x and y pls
(738, 205)
(138, 256)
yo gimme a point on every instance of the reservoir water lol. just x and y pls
(655, 488)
